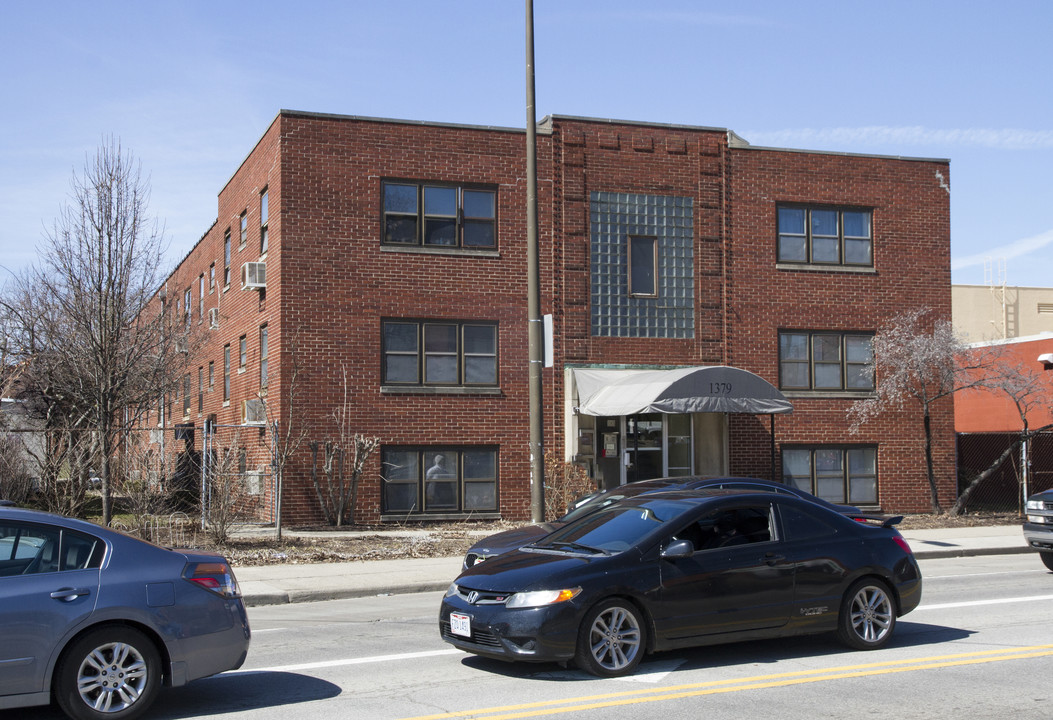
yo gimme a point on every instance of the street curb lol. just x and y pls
(970, 552)
(285, 598)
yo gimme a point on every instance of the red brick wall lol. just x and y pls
(911, 246)
(329, 283)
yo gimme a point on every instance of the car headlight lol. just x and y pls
(452, 590)
(1035, 505)
(540, 598)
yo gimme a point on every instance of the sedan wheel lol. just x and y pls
(611, 640)
(868, 615)
(111, 673)
(1047, 559)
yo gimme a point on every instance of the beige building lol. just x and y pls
(986, 312)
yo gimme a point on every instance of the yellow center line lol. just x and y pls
(631, 697)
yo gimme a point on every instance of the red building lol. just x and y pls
(392, 254)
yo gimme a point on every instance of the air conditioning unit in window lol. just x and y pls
(213, 318)
(253, 412)
(253, 276)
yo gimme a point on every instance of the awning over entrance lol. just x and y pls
(711, 388)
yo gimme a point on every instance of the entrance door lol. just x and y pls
(644, 447)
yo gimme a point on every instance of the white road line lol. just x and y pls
(972, 575)
(348, 661)
(978, 603)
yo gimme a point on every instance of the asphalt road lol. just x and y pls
(980, 646)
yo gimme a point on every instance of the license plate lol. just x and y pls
(461, 624)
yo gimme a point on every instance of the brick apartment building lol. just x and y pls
(699, 288)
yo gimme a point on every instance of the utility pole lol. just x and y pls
(535, 345)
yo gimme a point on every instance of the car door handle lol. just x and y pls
(69, 594)
(772, 558)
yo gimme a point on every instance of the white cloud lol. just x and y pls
(999, 139)
(1018, 248)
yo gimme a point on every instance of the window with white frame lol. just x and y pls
(264, 214)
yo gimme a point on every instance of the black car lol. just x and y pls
(1038, 527)
(502, 542)
(684, 568)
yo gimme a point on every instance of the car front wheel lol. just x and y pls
(612, 639)
(1047, 559)
(868, 615)
(112, 673)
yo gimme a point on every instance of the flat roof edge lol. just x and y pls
(639, 123)
(397, 121)
(803, 151)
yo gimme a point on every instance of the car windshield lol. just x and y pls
(614, 528)
(604, 499)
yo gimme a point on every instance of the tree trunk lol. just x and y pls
(934, 494)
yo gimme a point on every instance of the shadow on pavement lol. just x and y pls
(748, 653)
(232, 692)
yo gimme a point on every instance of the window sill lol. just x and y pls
(829, 394)
(443, 390)
(418, 516)
(421, 250)
(811, 267)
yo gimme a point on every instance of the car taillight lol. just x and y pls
(903, 544)
(214, 576)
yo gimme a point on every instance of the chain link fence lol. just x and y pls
(1027, 468)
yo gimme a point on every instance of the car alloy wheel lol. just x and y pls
(112, 672)
(611, 641)
(868, 615)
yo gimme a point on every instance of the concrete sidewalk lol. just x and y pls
(276, 584)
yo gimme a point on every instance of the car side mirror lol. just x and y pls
(678, 549)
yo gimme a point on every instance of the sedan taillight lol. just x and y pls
(903, 544)
(214, 576)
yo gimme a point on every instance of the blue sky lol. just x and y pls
(190, 86)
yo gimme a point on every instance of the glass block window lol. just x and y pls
(640, 243)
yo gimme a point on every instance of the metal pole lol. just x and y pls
(535, 340)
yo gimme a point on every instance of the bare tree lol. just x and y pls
(343, 461)
(96, 352)
(288, 433)
(918, 358)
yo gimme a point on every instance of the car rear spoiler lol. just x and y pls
(885, 521)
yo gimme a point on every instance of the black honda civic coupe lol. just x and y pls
(684, 568)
